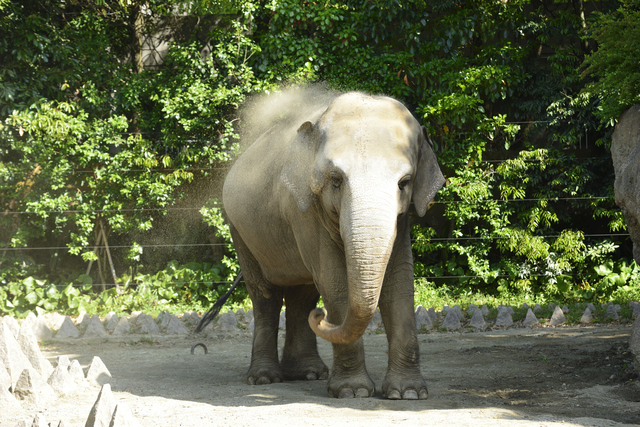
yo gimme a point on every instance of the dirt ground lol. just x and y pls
(517, 377)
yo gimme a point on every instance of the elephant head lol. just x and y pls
(362, 161)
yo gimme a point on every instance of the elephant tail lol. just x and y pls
(213, 311)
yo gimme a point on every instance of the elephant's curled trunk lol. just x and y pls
(367, 250)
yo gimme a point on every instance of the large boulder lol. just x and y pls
(625, 153)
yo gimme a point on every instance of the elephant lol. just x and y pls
(320, 207)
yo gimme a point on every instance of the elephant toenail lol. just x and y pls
(263, 381)
(362, 392)
(312, 376)
(410, 395)
(345, 393)
(424, 394)
(251, 381)
(324, 375)
(394, 395)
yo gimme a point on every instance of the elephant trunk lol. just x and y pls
(368, 233)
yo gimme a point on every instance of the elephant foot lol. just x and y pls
(351, 386)
(309, 369)
(408, 387)
(261, 376)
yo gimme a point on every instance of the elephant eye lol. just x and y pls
(336, 179)
(404, 182)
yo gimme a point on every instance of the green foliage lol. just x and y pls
(614, 65)
(93, 137)
(193, 286)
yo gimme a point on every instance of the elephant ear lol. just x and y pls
(297, 174)
(429, 178)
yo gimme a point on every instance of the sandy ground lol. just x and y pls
(517, 377)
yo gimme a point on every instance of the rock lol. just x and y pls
(67, 329)
(451, 321)
(82, 321)
(423, 321)
(504, 317)
(191, 318)
(551, 306)
(39, 421)
(11, 354)
(456, 308)
(611, 313)
(634, 344)
(252, 324)
(28, 322)
(41, 330)
(54, 320)
(164, 319)
(175, 326)
(477, 320)
(98, 372)
(123, 417)
(61, 381)
(7, 401)
(636, 311)
(94, 328)
(122, 328)
(146, 325)
(510, 310)
(5, 378)
(33, 388)
(485, 310)
(283, 320)
(525, 305)
(12, 324)
(586, 316)
(102, 411)
(625, 153)
(30, 348)
(63, 361)
(432, 315)
(591, 307)
(530, 319)
(536, 308)
(471, 309)
(248, 317)
(133, 319)
(228, 321)
(76, 372)
(111, 321)
(565, 309)
(557, 318)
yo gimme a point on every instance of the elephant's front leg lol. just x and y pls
(349, 377)
(404, 379)
(300, 358)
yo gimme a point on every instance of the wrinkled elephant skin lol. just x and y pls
(319, 207)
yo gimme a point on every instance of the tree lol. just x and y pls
(614, 67)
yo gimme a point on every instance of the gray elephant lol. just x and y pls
(321, 208)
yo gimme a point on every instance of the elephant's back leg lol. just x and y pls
(300, 358)
(267, 303)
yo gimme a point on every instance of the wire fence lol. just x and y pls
(171, 209)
